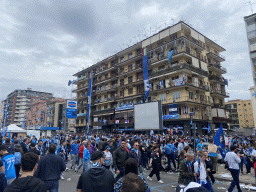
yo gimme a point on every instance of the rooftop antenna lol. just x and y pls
(251, 6)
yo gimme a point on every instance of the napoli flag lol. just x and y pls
(209, 129)
(170, 53)
(145, 74)
(219, 133)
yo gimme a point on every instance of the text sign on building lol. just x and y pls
(71, 109)
(173, 109)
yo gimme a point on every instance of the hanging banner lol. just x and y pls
(145, 73)
(173, 109)
(89, 102)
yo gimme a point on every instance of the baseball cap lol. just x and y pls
(96, 155)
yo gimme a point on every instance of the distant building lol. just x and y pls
(193, 80)
(18, 102)
(241, 113)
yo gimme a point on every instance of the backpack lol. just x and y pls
(17, 156)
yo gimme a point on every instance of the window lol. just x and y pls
(176, 95)
(191, 109)
(244, 104)
(201, 98)
(130, 79)
(191, 95)
(121, 59)
(121, 93)
(249, 103)
(82, 121)
(130, 91)
(106, 76)
(121, 82)
(162, 97)
(161, 67)
(105, 106)
(129, 55)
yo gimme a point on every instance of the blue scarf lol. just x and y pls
(96, 165)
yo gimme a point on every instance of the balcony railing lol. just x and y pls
(213, 54)
(218, 66)
(194, 99)
(111, 110)
(178, 67)
(220, 79)
(130, 59)
(216, 91)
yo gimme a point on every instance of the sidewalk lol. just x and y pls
(224, 175)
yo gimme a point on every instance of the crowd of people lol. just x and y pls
(119, 162)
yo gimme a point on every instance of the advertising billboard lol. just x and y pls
(71, 109)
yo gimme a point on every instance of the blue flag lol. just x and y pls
(55, 141)
(69, 82)
(170, 56)
(145, 74)
(89, 103)
(219, 133)
(209, 129)
(9, 135)
(181, 45)
(4, 131)
(220, 143)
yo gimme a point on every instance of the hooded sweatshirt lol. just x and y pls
(27, 184)
(96, 179)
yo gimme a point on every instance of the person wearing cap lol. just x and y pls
(97, 178)
(108, 160)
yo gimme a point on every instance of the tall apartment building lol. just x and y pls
(18, 102)
(45, 114)
(193, 80)
(250, 25)
(241, 113)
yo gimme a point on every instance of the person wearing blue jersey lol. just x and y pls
(74, 155)
(200, 146)
(8, 162)
(169, 152)
(86, 157)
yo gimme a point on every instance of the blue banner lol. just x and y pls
(124, 108)
(176, 116)
(145, 74)
(169, 55)
(173, 109)
(89, 103)
(209, 129)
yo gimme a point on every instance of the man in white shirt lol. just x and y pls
(233, 160)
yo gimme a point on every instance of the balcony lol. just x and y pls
(217, 79)
(196, 116)
(106, 89)
(106, 100)
(105, 69)
(218, 68)
(187, 99)
(129, 71)
(176, 68)
(105, 111)
(215, 56)
(97, 82)
(82, 78)
(134, 58)
(180, 84)
(219, 92)
(126, 121)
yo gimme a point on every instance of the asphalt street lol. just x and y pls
(170, 182)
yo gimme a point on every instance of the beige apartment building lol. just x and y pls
(241, 113)
(193, 80)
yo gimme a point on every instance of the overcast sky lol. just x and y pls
(43, 43)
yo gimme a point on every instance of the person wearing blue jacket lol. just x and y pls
(86, 158)
(169, 152)
(74, 155)
(8, 163)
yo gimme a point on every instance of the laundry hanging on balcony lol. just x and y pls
(170, 53)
